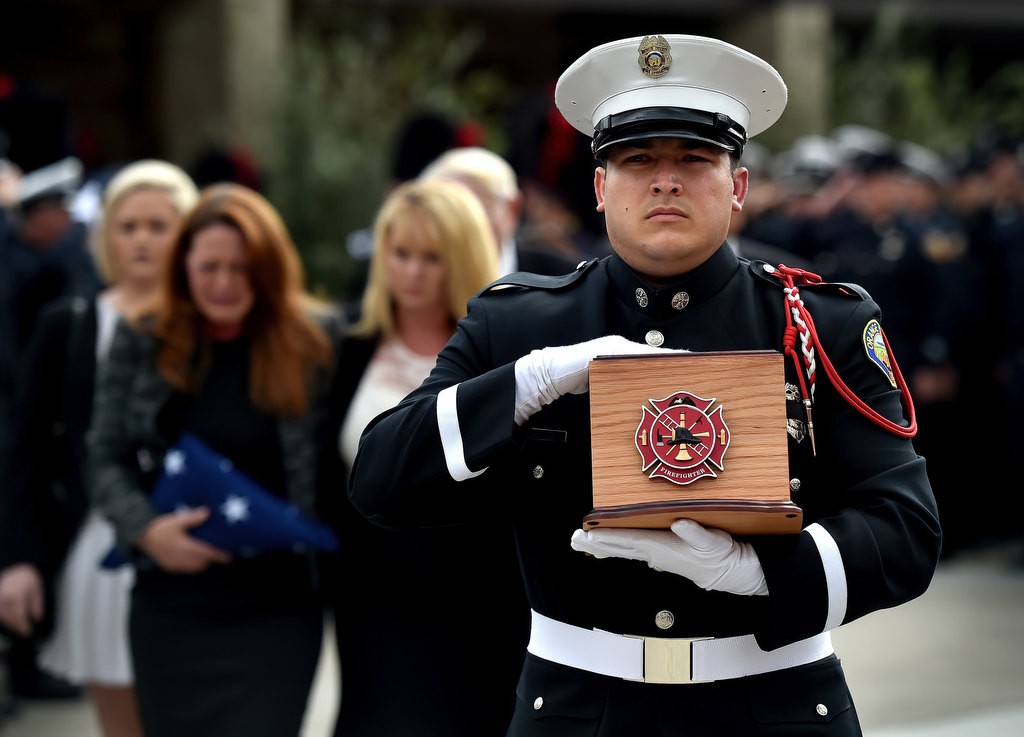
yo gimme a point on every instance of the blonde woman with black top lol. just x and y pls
(410, 609)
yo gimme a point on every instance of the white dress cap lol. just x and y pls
(694, 73)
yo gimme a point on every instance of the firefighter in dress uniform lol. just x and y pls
(500, 431)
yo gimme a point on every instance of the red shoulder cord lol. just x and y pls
(799, 323)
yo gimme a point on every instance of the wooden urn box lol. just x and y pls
(695, 435)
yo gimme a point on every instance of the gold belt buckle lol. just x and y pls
(669, 659)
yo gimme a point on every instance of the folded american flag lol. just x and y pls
(245, 518)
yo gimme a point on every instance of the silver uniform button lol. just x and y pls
(538, 471)
(794, 484)
(770, 270)
(680, 300)
(641, 297)
(538, 702)
(664, 619)
(654, 338)
(821, 709)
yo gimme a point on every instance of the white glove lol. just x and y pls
(710, 558)
(545, 374)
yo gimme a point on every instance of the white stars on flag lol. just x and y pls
(235, 509)
(174, 463)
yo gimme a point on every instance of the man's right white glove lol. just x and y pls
(710, 558)
(545, 374)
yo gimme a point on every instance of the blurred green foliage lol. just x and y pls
(355, 78)
(897, 82)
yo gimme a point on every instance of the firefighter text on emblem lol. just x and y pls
(682, 438)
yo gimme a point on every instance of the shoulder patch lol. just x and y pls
(529, 280)
(874, 346)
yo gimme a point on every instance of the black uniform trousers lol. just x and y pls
(789, 702)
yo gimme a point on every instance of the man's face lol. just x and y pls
(667, 203)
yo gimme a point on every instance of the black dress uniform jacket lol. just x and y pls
(43, 500)
(866, 488)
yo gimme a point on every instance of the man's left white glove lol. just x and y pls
(710, 558)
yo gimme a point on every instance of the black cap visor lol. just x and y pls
(715, 129)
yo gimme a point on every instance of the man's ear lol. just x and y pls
(740, 183)
(600, 173)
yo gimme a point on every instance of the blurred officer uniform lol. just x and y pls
(799, 176)
(501, 430)
(945, 371)
(44, 249)
(42, 258)
(996, 234)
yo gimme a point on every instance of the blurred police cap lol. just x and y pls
(808, 163)
(56, 182)
(924, 163)
(866, 150)
(675, 86)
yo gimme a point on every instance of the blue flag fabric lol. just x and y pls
(245, 519)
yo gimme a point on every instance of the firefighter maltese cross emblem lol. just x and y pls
(682, 438)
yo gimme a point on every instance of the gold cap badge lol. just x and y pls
(655, 59)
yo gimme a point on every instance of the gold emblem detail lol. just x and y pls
(655, 59)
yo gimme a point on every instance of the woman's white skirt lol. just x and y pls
(90, 636)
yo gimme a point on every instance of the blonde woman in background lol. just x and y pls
(48, 528)
(411, 611)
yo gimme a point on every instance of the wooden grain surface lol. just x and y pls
(748, 494)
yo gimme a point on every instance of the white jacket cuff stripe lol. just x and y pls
(835, 574)
(451, 435)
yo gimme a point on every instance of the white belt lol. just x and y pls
(666, 659)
